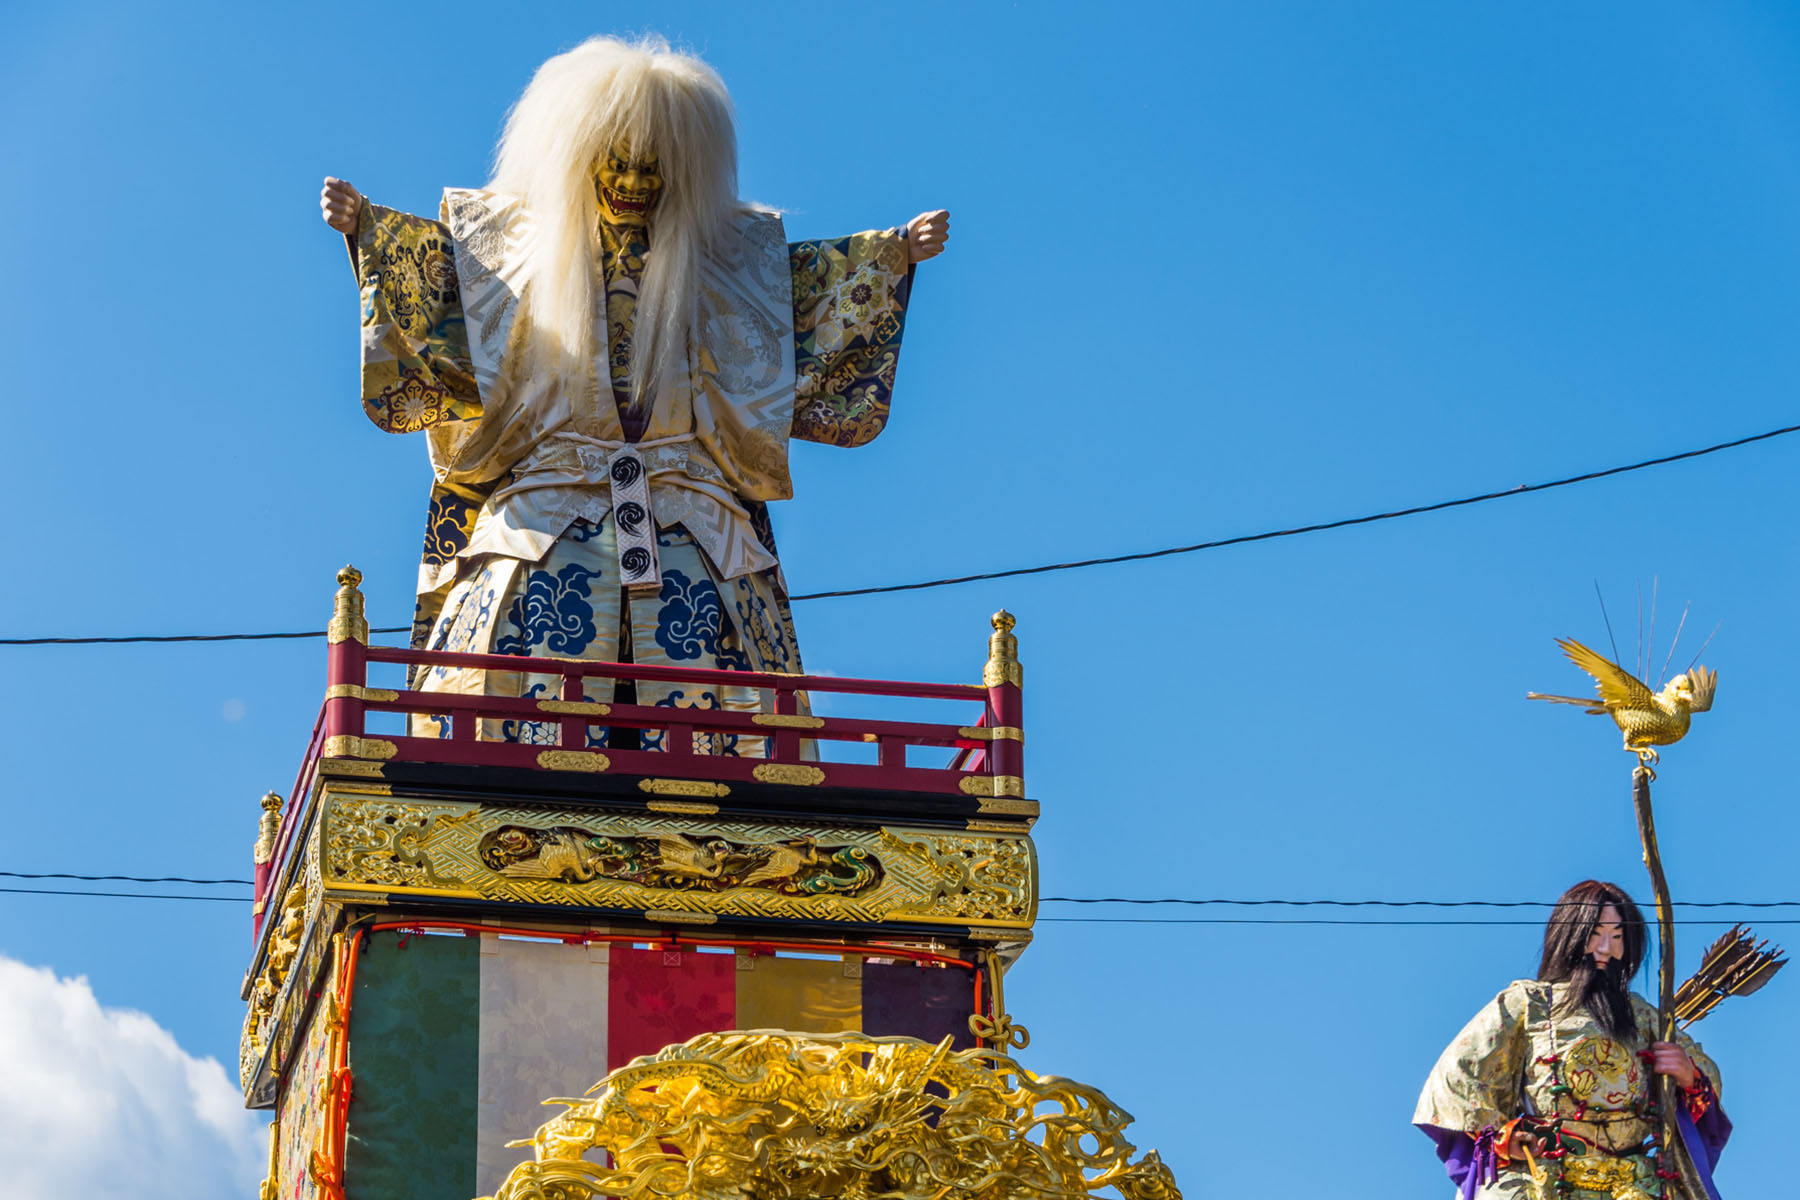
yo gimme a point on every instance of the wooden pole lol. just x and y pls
(1675, 1156)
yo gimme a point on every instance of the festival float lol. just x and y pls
(584, 842)
(777, 975)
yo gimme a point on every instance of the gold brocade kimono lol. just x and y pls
(1500, 1067)
(521, 537)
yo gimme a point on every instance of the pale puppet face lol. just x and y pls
(627, 186)
(1607, 942)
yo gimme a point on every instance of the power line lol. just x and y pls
(1521, 490)
(1324, 921)
(951, 580)
(1319, 921)
(121, 878)
(1138, 900)
(124, 895)
(1134, 900)
(1395, 903)
(176, 637)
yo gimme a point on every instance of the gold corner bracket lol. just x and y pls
(992, 733)
(992, 785)
(353, 691)
(346, 745)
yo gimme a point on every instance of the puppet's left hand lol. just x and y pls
(1666, 1058)
(926, 235)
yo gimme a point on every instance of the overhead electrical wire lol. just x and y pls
(1330, 921)
(1522, 489)
(1192, 901)
(120, 878)
(1394, 903)
(124, 895)
(1362, 922)
(1131, 900)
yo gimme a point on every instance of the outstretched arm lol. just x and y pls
(416, 370)
(339, 202)
(925, 234)
(850, 298)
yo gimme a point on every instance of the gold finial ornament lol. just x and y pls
(268, 826)
(843, 1114)
(1647, 719)
(347, 621)
(1003, 654)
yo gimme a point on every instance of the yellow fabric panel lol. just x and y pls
(809, 994)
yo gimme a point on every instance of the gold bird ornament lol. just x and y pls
(1647, 719)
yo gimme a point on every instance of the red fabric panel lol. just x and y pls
(658, 997)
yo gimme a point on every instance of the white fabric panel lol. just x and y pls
(543, 1034)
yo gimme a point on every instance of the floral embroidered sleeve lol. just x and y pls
(416, 370)
(1704, 1095)
(1476, 1082)
(849, 310)
(1701, 1097)
(1471, 1100)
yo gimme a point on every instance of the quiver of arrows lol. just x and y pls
(1735, 965)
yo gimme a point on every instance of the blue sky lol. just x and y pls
(1214, 269)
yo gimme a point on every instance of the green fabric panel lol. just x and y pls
(414, 1025)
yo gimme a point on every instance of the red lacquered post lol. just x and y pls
(573, 728)
(1005, 682)
(346, 668)
(263, 857)
(785, 745)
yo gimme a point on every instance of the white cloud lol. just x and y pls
(103, 1102)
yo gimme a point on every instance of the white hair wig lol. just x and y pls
(600, 96)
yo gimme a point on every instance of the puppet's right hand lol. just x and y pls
(340, 203)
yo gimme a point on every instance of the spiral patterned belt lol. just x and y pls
(633, 522)
(573, 461)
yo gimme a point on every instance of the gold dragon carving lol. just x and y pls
(725, 868)
(385, 841)
(284, 947)
(972, 875)
(793, 867)
(292, 952)
(781, 1116)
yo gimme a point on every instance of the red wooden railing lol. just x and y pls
(989, 762)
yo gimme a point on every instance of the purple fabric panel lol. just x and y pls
(929, 1003)
(1702, 1149)
(1468, 1161)
(1714, 1128)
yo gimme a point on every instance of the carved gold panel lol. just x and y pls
(676, 863)
(791, 774)
(296, 951)
(684, 787)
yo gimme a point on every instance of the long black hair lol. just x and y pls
(1604, 992)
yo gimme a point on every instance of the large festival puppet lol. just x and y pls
(608, 352)
(1551, 1092)
(1570, 1086)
